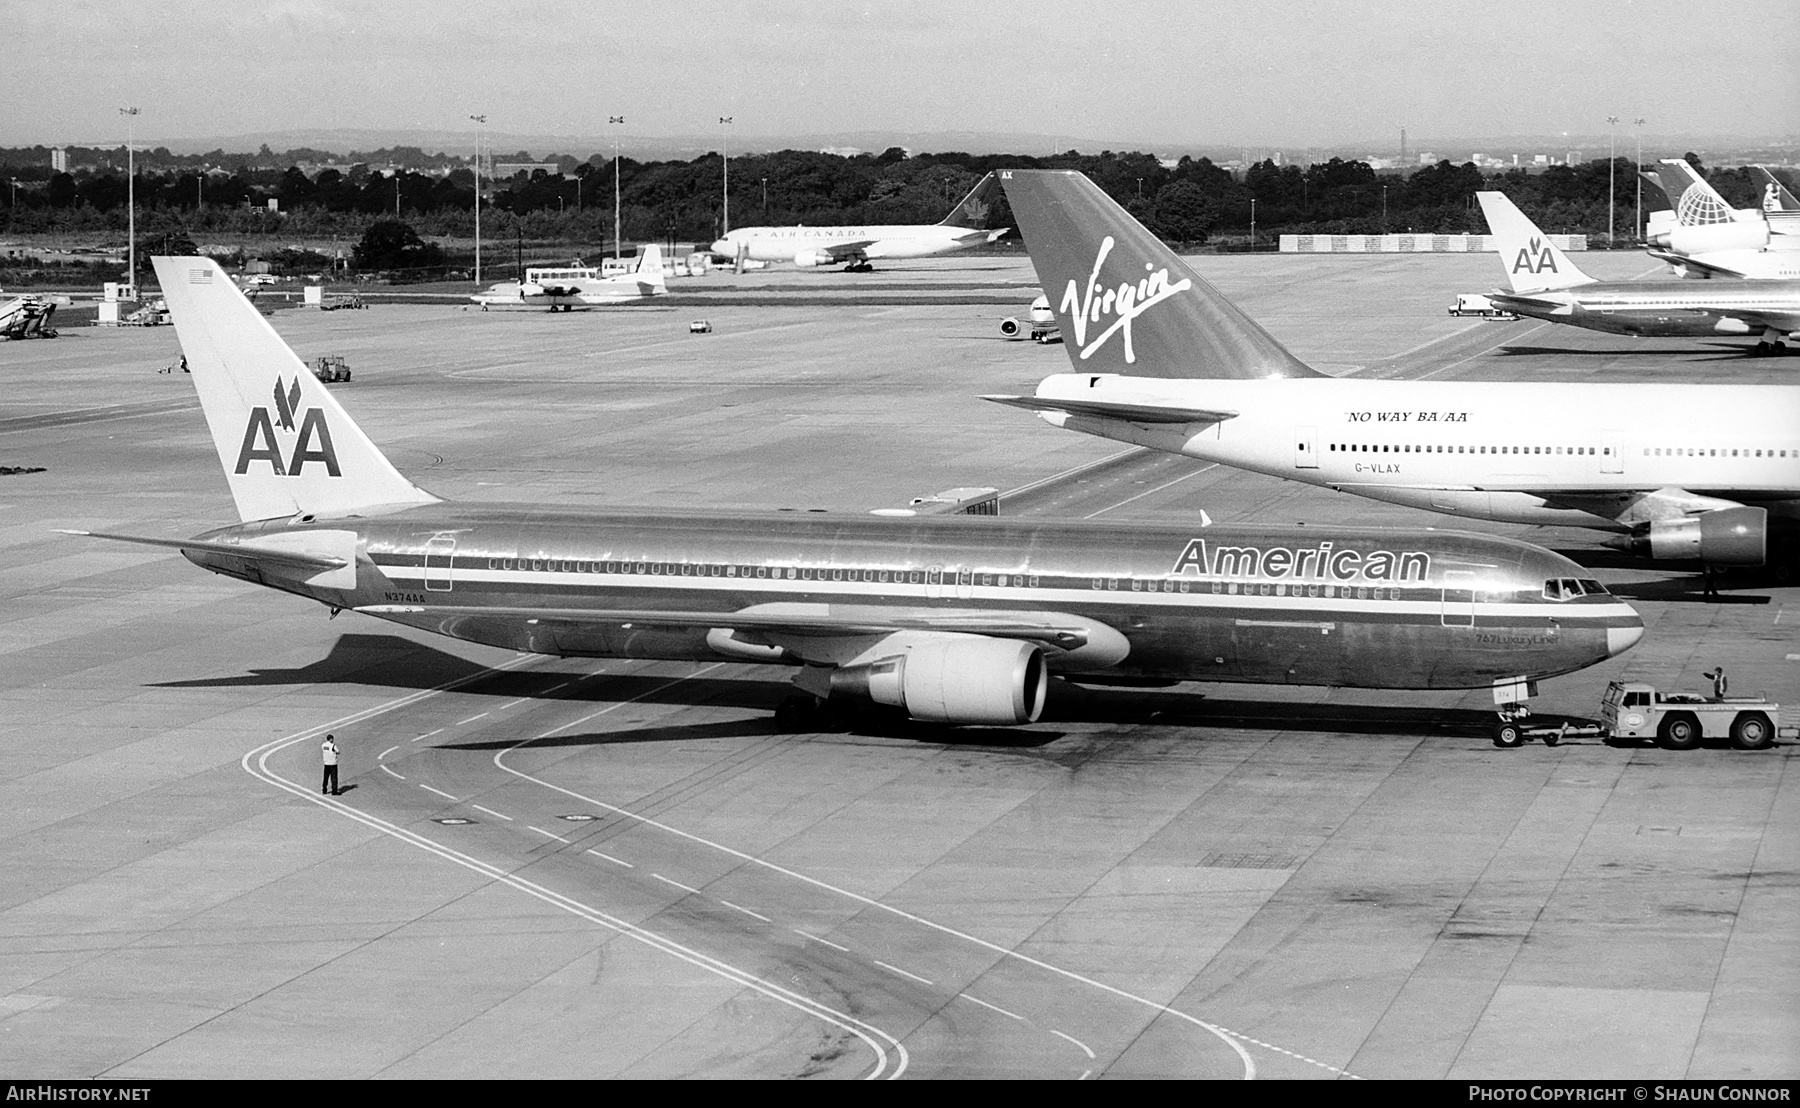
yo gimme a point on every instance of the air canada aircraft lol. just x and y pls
(1160, 359)
(957, 619)
(1547, 285)
(568, 288)
(857, 246)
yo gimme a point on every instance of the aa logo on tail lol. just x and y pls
(312, 442)
(1535, 257)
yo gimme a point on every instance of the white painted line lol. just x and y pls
(995, 1007)
(428, 734)
(610, 858)
(1148, 492)
(512, 704)
(391, 773)
(1074, 1040)
(609, 708)
(386, 752)
(256, 763)
(677, 884)
(471, 719)
(816, 939)
(746, 911)
(1085, 1074)
(903, 973)
(440, 792)
(541, 831)
(1793, 657)
(491, 812)
(553, 688)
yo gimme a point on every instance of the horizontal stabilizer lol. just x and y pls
(295, 558)
(1109, 409)
(810, 619)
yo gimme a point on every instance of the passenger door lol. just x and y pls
(1306, 448)
(1612, 452)
(440, 561)
(1458, 599)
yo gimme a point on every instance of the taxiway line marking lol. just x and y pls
(428, 734)
(386, 752)
(677, 884)
(901, 972)
(491, 812)
(1077, 1042)
(620, 704)
(865, 1031)
(1220, 1033)
(995, 1007)
(471, 719)
(541, 831)
(1479, 353)
(1148, 492)
(1085, 1074)
(391, 773)
(440, 792)
(610, 858)
(553, 688)
(816, 939)
(746, 911)
(512, 704)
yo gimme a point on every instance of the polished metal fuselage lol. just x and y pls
(1666, 309)
(1412, 609)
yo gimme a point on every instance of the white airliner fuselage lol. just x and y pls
(1570, 454)
(812, 246)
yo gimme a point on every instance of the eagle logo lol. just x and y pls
(286, 404)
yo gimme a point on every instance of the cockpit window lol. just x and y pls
(1553, 589)
(1570, 588)
(1592, 587)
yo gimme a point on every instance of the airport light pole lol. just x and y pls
(130, 115)
(725, 179)
(765, 190)
(1384, 209)
(481, 122)
(1253, 224)
(615, 119)
(1612, 158)
(1637, 215)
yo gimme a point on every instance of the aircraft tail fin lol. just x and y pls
(1532, 262)
(1775, 197)
(650, 267)
(977, 208)
(1696, 203)
(1125, 303)
(286, 445)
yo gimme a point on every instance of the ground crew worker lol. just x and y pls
(329, 782)
(1719, 683)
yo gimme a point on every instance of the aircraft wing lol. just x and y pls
(1112, 409)
(843, 251)
(1687, 262)
(794, 619)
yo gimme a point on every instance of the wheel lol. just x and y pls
(1752, 731)
(1508, 734)
(1679, 731)
(797, 713)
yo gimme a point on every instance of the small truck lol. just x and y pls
(1676, 721)
(330, 368)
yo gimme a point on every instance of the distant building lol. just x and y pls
(59, 159)
(503, 170)
(843, 151)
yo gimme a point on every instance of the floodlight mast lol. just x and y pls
(725, 189)
(130, 115)
(482, 121)
(1612, 159)
(615, 119)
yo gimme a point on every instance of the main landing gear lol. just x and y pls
(863, 266)
(800, 712)
(1769, 349)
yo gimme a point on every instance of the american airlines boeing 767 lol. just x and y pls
(952, 619)
(1160, 359)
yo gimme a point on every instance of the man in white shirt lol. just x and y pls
(329, 783)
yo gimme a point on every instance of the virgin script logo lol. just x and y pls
(1125, 303)
(311, 443)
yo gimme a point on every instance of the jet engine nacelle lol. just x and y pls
(808, 259)
(1012, 328)
(1718, 236)
(954, 679)
(1727, 537)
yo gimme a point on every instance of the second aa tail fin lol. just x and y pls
(286, 445)
(1126, 304)
(1532, 262)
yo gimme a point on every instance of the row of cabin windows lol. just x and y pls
(1711, 452)
(1378, 448)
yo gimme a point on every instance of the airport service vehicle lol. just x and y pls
(1700, 472)
(1676, 721)
(956, 619)
(1547, 285)
(1701, 235)
(330, 368)
(572, 287)
(856, 246)
(1040, 324)
(27, 317)
(1479, 306)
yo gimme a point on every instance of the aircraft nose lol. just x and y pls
(1621, 639)
(723, 246)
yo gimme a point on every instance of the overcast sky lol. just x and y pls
(1267, 73)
